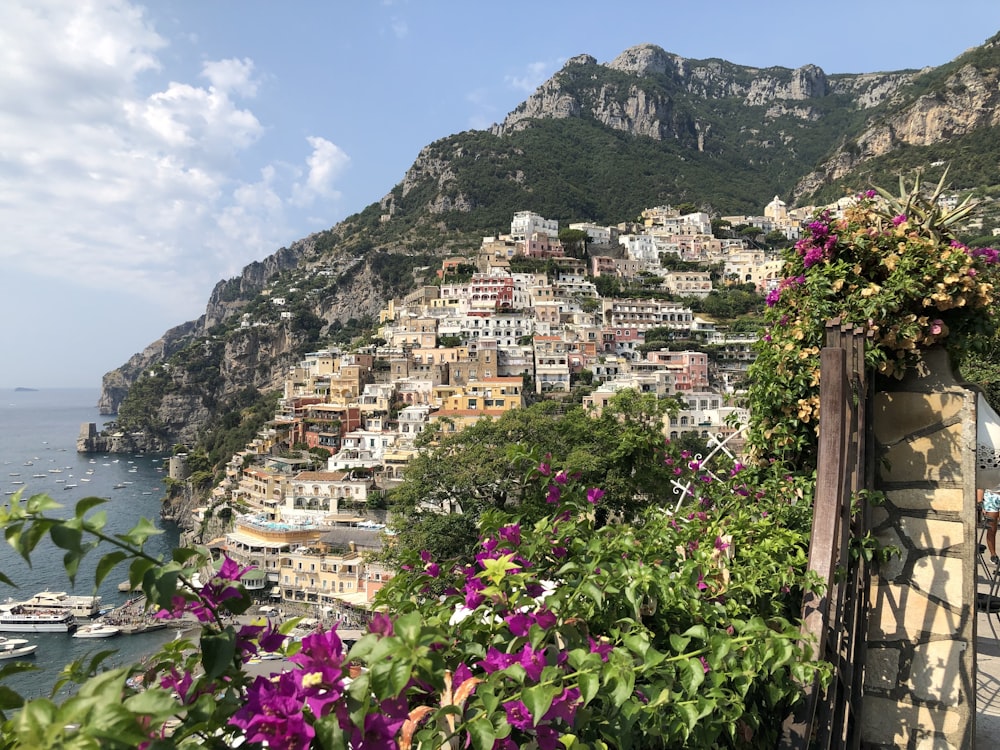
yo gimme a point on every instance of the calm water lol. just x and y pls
(38, 431)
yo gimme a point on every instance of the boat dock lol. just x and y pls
(133, 617)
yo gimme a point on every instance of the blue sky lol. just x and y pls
(146, 152)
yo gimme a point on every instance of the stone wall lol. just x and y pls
(920, 666)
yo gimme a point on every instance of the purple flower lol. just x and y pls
(518, 715)
(496, 661)
(381, 624)
(555, 492)
(602, 649)
(533, 661)
(772, 297)
(594, 494)
(704, 664)
(273, 714)
(519, 623)
(561, 478)
(897, 220)
(564, 706)
(511, 534)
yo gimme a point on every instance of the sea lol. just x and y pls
(38, 431)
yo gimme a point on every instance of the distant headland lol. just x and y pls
(24, 390)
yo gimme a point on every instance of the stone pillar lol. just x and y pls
(920, 668)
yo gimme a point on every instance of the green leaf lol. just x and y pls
(153, 702)
(692, 675)
(538, 698)
(140, 533)
(66, 536)
(40, 503)
(217, 652)
(589, 588)
(86, 504)
(482, 734)
(137, 570)
(589, 683)
(106, 564)
(407, 628)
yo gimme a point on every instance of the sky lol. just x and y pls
(149, 151)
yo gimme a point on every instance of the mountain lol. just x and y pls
(596, 142)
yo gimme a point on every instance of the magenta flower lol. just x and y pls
(518, 715)
(533, 661)
(511, 534)
(564, 706)
(496, 661)
(561, 478)
(273, 714)
(602, 649)
(594, 494)
(897, 220)
(519, 623)
(555, 492)
(381, 624)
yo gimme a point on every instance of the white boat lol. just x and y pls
(79, 606)
(17, 618)
(13, 648)
(97, 630)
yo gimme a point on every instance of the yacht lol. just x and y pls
(18, 618)
(97, 630)
(79, 606)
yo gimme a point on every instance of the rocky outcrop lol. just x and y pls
(115, 384)
(969, 100)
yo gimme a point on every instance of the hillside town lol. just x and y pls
(487, 338)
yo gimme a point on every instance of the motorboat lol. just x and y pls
(13, 648)
(18, 618)
(97, 630)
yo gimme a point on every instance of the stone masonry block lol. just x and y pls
(943, 577)
(942, 499)
(929, 534)
(935, 671)
(900, 414)
(882, 668)
(934, 457)
(902, 613)
(934, 743)
(894, 566)
(888, 722)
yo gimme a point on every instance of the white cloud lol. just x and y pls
(532, 77)
(400, 28)
(115, 182)
(231, 75)
(326, 163)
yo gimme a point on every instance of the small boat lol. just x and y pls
(68, 486)
(38, 476)
(97, 630)
(55, 471)
(12, 648)
(118, 487)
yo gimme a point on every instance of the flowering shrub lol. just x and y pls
(888, 264)
(674, 631)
